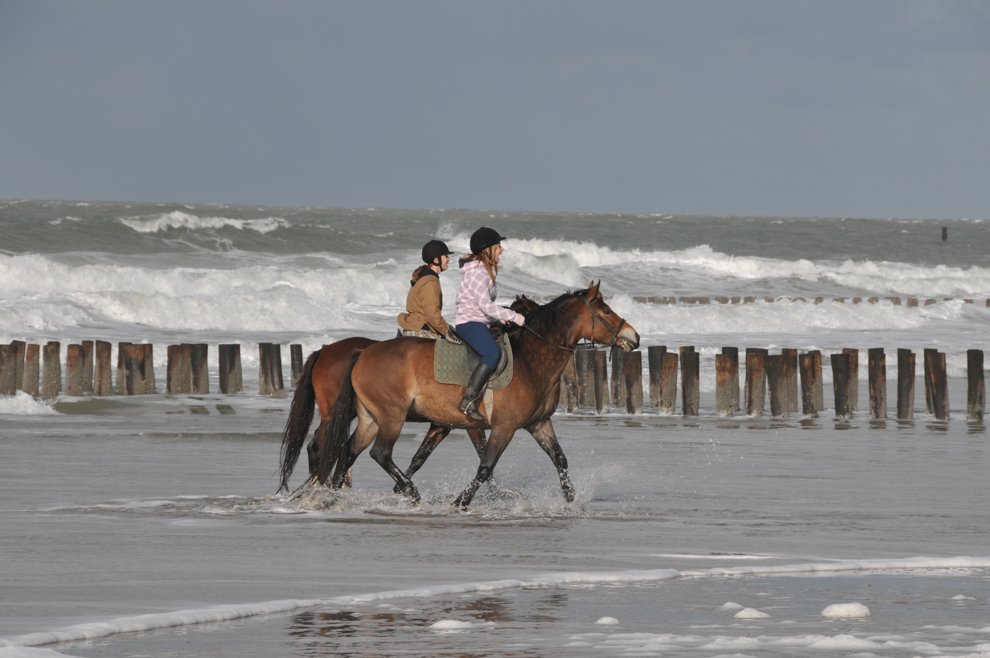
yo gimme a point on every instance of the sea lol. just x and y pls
(150, 525)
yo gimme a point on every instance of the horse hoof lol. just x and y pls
(397, 489)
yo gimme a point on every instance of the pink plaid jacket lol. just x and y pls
(476, 298)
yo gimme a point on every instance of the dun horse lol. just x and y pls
(321, 381)
(540, 352)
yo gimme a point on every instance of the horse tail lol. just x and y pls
(300, 418)
(338, 430)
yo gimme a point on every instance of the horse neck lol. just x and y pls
(555, 352)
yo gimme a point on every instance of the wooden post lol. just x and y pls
(905, 384)
(199, 368)
(841, 374)
(655, 355)
(929, 354)
(599, 364)
(940, 393)
(135, 369)
(32, 370)
(853, 379)
(668, 384)
(633, 370)
(755, 383)
(878, 382)
(816, 357)
(231, 380)
(776, 383)
(790, 375)
(295, 356)
(733, 354)
(103, 384)
(569, 387)
(764, 352)
(20, 350)
(585, 376)
(690, 377)
(149, 370)
(808, 385)
(270, 370)
(178, 371)
(976, 398)
(74, 357)
(723, 383)
(618, 387)
(8, 369)
(121, 385)
(51, 378)
(87, 368)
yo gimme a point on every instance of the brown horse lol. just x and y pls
(393, 381)
(321, 381)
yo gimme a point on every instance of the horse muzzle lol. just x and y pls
(628, 339)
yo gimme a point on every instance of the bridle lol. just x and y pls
(594, 314)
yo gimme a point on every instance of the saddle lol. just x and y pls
(453, 364)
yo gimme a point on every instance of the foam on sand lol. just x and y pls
(750, 613)
(229, 612)
(846, 611)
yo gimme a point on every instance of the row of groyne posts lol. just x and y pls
(37, 369)
(788, 377)
(585, 382)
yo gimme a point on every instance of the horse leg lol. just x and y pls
(478, 439)
(432, 440)
(498, 442)
(313, 449)
(381, 452)
(365, 432)
(545, 436)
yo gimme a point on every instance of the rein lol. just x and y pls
(594, 314)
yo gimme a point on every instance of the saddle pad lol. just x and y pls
(450, 364)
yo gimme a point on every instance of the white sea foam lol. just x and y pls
(180, 220)
(29, 652)
(450, 625)
(240, 611)
(23, 404)
(846, 611)
(607, 621)
(732, 605)
(751, 613)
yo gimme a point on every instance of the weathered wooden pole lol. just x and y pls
(940, 392)
(776, 384)
(87, 367)
(199, 354)
(231, 380)
(929, 354)
(599, 364)
(8, 370)
(668, 384)
(585, 376)
(733, 354)
(20, 350)
(149, 369)
(976, 398)
(618, 389)
(654, 354)
(755, 383)
(877, 370)
(723, 384)
(840, 384)
(178, 371)
(135, 369)
(569, 387)
(51, 378)
(103, 374)
(296, 359)
(790, 375)
(270, 370)
(74, 357)
(816, 356)
(853, 378)
(633, 369)
(808, 385)
(765, 353)
(32, 370)
(120, 386)
(690, 377)
(905, 384)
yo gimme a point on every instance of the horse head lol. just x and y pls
(523, 305)
(603, 325)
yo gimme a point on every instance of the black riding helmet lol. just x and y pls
(433, 250)
(483, 238)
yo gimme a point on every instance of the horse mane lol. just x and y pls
(544, 318)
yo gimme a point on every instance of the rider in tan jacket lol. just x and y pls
(424, 304)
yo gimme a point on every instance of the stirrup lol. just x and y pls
(471, 410)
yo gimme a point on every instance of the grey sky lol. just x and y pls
(871, 109)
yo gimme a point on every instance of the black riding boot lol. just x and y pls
(472, 395)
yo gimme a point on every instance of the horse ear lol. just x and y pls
(593, 289)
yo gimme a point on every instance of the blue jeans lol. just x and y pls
(476, 335)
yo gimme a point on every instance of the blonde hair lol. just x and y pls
(485, 257)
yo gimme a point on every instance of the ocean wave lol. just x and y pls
(180, 220)
(23, 404)
(148, 622)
